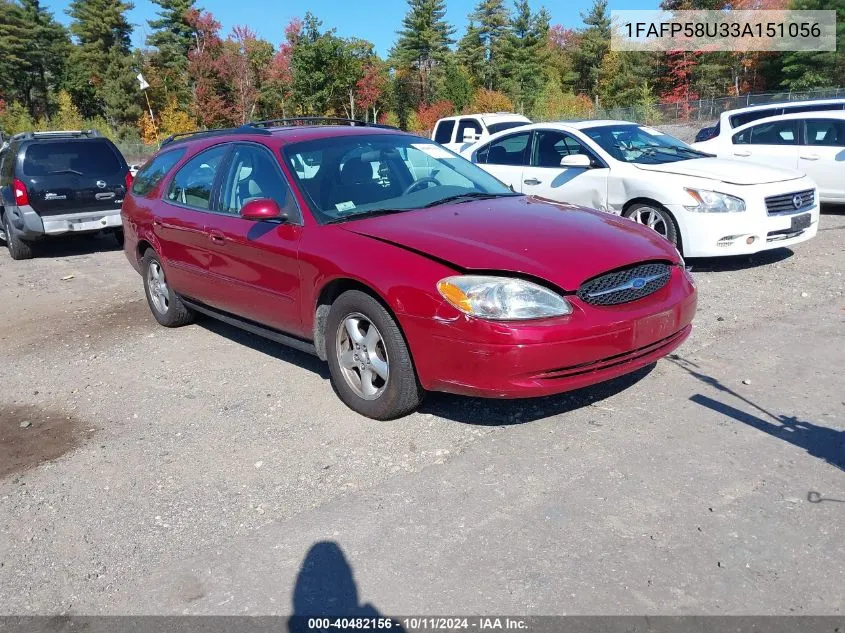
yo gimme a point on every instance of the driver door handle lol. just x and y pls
(743, 153)
(217, 237)
(809, 156)
(532, 181)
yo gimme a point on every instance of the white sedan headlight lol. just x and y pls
(502, 298)
(713, 201)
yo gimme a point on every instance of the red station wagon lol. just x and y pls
(403, 265)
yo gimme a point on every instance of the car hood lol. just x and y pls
(559, 243)
(730, 171)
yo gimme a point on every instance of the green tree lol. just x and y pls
(493, 20)
(172, 35)
(471, 54)
(621, 77)
(423, 42)
(594, 44)
(101, 78)
(804, 70)
(525, 55)
(455, 84)
(33, 50)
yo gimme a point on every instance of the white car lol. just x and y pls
(811, 142)
(706, 206)
(732, 119)
(459, 132)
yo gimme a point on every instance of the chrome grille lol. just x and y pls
(785, 203)
(625, 285)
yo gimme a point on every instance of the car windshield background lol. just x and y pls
(637, 144)
(80, 157)
(349, 176)
(501, 127)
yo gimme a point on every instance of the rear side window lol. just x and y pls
(826, 132)
(193, 184)
(443, 133)
(152, 173)
(738, 120)
(775, 133)
(83, 157)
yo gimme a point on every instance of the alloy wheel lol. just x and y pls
(653, 219)
(159, 292)
(362, 356)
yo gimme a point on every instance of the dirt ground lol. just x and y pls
(147, 470)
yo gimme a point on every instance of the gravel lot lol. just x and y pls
(146, 470)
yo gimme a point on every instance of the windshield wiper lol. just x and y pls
(664, 149)
(65, 171)
(364, 214)
(468, 197)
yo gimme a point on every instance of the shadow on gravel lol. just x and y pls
(265, 346)
(488, 412)
(75, 245)
(819, 441)
(833, 209)
(325, 588)
(737, 262)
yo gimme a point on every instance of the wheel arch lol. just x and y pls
(328, 294)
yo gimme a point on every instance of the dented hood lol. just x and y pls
(562, 244)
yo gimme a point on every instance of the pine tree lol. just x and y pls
(804, 70)
(493, 20)
(423, 41)
(525, 51)
(33, 50)
(471, 54)
(594, 45)
(102, 81)
(172, 36)
(622, 76)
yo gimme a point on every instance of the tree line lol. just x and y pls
(507, 57)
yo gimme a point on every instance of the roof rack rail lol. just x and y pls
(243, 129)
(92, 133)
(316, 120)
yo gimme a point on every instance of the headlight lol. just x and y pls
(714, 202)
(501, 298)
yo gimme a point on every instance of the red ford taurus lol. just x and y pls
(403, 265)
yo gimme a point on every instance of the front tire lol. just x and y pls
(370, 364)
(657, 219)
(166, 306)
(18, 248)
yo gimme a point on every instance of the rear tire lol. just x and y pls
(656, 218)
(166, 306)
(18, 248)
(371, 367)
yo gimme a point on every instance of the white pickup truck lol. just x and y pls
(459, 132)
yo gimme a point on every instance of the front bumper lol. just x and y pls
(744, 233)
(514, 360)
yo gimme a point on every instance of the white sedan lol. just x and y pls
(811, 142)
(706, 206)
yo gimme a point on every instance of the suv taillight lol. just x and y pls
(21, 194)
(128, 181)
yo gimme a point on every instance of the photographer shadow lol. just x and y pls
(326, 589)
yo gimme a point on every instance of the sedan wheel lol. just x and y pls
(656, 218)
(362, 356)
(159, 292)
(166, 306)
(370, 364)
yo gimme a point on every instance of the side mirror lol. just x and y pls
(262, 209)
(470, 136)
(576, 160)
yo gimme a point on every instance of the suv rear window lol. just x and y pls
(152, 173)
(83, 157)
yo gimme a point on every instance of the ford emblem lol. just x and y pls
(638, 283)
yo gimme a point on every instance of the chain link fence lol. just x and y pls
(706, 110)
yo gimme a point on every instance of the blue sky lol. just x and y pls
(373, 20)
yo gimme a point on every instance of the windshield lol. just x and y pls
(354, 176)
(631, 143)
